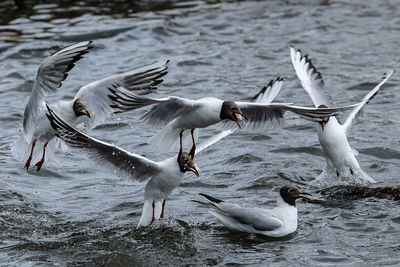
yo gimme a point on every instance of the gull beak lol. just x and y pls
(303, 195)
(193, 167)
(88, 114)
(238, 117)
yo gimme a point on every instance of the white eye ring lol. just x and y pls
(290, 190)
(231, 107)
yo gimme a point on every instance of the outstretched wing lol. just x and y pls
(163, 111)
(268, 93)
(355, 112)
(137, 167)
(142, 80)
(260, 114)
(52, 71)
(310, 78)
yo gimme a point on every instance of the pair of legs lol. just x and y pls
(162, 211)
(192, 151)
(40, 162)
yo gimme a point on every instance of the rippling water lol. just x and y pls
(73, 212)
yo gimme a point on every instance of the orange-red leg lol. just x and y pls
(40, 162)
(154, 218)
(28, 162)
(162, 210)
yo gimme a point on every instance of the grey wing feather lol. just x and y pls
(258, 219)
(310, 78)
(52, 71)
(264, 113)
(137, 167)
(101, 94)
(356, 111)
(268, 93)
(162, 112)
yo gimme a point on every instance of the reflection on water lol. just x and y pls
(76, 213)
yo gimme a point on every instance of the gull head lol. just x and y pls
(290, 193)
(81, 107)
(186, 163)
(231, 111)
(324, 119)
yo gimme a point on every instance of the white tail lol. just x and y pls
(168, 138)
(147, 214)
(21, 150)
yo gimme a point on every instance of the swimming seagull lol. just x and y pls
(163, 176)
(179, 113)
(91, 101)
(332, 136)
(277, 222)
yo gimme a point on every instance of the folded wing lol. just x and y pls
(137, 167)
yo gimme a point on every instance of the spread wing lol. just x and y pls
(310, 78)
(142, 80)
(356, 111)
(260, 114)
(268, 93)
(52, 71)
(258, 219)
(137, 167)
(162, 112)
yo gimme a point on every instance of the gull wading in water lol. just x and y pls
(179, 113)
(340, 158)
(277, 222)
(90, 106)
(163, 176)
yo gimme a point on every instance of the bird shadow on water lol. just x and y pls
(246, 240)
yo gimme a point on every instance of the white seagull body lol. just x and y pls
(277, 222)
(342, 165)
(91, 100)
(180, 113)
(163, 176)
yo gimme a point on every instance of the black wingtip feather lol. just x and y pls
(212, 199)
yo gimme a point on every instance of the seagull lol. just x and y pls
(340, 158)
(91, 101)
(180, 114)
(163, 176)
(277, 222)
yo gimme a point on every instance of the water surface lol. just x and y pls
(75, 213)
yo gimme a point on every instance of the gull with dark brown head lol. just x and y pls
(342, 164)
(179, 114)
(90, 106)
(277, 222)
(163, 176)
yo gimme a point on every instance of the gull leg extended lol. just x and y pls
(40, 162)
(28, 162)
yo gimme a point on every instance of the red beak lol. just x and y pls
(194, 169)
(88, 114)
(302, 195)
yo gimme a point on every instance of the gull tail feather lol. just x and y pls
(147, 214)
(168, 138)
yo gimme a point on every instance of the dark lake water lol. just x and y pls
(75, 213)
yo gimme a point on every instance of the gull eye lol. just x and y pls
(290, 190)
(231, 107)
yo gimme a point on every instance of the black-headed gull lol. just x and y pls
(180, 113)
(332, 135)
(277, 222)
(91, 100)
(163, 176)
